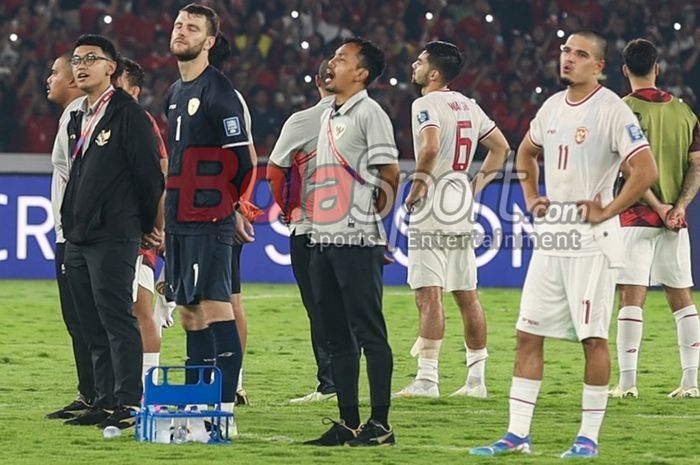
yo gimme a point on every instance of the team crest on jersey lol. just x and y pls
(423, 116)
(103, 137)
(193, 106)
(581, 134)
(338, 130)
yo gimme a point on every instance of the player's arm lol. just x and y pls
(280, 160)
(160, 219)
(142, 155)
(529, 172)
(248, 193)
(691, 184)
(389, 178)
(427, 157)
(276, 177)
(650, 198)
(642, 175)
(498, 151)
(382, 154)
(226, 112)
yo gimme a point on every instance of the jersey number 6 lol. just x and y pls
(463, 147)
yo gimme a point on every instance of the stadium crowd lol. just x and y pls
(511, 49)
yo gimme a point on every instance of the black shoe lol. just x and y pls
(337, 435)
(122, 418)
(91, 417)
(79, 406)
(241, 398)
(373, 434)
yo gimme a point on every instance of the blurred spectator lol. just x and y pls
(511, 51)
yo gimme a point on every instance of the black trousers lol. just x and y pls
(301, 258)
(100, 277)
(347, 288)
(81, 352)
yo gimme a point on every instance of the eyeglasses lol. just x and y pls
(88, 59)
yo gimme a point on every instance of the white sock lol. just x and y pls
(150, 359)
(476, 366)
(593, 404)
(227, 406)
(428, 353)
(688, 331)
(629, 339)
(427, 370)
(240, 380)
(522, 400)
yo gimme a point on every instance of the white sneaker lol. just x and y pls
(420, 388)
(619, 393)
(315, 396)
(479, 391)
(691, 393)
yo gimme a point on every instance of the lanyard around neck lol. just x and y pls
(89, 126)
(339, 157)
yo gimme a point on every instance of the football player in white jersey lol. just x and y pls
(584, 133)
(447, 127)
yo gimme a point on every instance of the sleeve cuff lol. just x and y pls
(636, 151)
(487, 133)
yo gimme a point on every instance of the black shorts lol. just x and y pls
(198, 267)
(236, 269)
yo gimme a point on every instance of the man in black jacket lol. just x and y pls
(109, 207)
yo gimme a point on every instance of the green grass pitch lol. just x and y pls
(37, 376)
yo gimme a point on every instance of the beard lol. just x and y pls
(188, 54)
(418, 84)
(565, 80)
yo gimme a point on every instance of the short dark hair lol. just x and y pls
(134, 73)
(98, 41)
(640, 56)
(371, 58)
(213, 22)
(220, 52)
(601, 43)
(446, 58)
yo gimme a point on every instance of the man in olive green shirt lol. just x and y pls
(655, 230)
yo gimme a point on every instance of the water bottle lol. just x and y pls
(161, 425)
(197, 430)
(179, 431)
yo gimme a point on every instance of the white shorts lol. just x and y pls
(656, 256)
(567, 297)
(450, 267)
(143, 277)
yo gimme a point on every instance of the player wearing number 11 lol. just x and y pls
(584, 133)
(447, 126)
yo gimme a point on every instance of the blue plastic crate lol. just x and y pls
(167, 401)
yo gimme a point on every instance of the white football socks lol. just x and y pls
(629, 339)
(522, 400)
(428, 352)
(688, 332)
(150, 359)
(593, 404)
(476, 366)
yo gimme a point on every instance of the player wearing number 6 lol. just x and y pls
(447, 127)
(583, 133)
